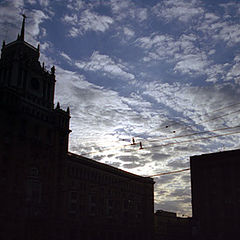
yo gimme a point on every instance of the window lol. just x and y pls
(33, 191)
(109, 207)
(73, 200)
(92, 205)
(49, 135)
(34, 172)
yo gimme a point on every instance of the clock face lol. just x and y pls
(35, 83)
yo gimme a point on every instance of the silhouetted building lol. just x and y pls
(215, 183)
(47, 192)
(167, 226)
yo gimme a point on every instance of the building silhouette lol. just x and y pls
(168, 226)
(46, 191)
(215, 184)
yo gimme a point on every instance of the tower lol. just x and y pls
(33, 143)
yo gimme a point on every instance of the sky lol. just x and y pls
(165, 72)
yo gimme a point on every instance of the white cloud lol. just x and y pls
(103, 63)
(76, 5)
(70, 19)
(141, 14)
(93, 21)
(101, 112)
(74, 32)
(205, 101)
(17, 3)
(221, 28)
(120, 8)
(188, 58)
(124, 9)
(230, 34)
(37, 17)
(211, 52)
(11, 25)
(211, 17)
(67, 57)
(234, 72)
(87, 21)
(44, 46)
(32, 1)
(129, 32)
(44, 3)
(191, 63)
(181, 10)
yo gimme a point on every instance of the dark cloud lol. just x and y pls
(181, 193)
(165, 179)
(178, 164)
(160, 156)
(132, 165)
(128, 158)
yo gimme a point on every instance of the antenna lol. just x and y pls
(6, 33)
(23, 26)
(24, 16)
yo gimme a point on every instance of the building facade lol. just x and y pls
(46, 191)
(215, 184)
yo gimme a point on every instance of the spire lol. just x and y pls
(58, 105)
(53, 70)
(23, 26)
(3, 44)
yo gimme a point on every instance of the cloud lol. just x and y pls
(178, 164)
(234, 72)
(181, 10)
(87, 21)
(201, 112)
(230, 33)
(65, 56)
(17, 3)
(221, 28)
(70, 19)
(182, 51)
(181, 193)
(128, 158)
(211, 17)
(124, 9)
(92, 113)
(186, 54)
(195, 51)
(95, 22)
(37, 17)
(103, 63)
(191, 63)
(128, 32)
(44, 3)
(32, 1)
(76, 4)
(11, 25)
(160, 156)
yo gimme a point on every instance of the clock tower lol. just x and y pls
(33, 143)
(21, 72)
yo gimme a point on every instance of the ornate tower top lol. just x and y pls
(23, 74)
